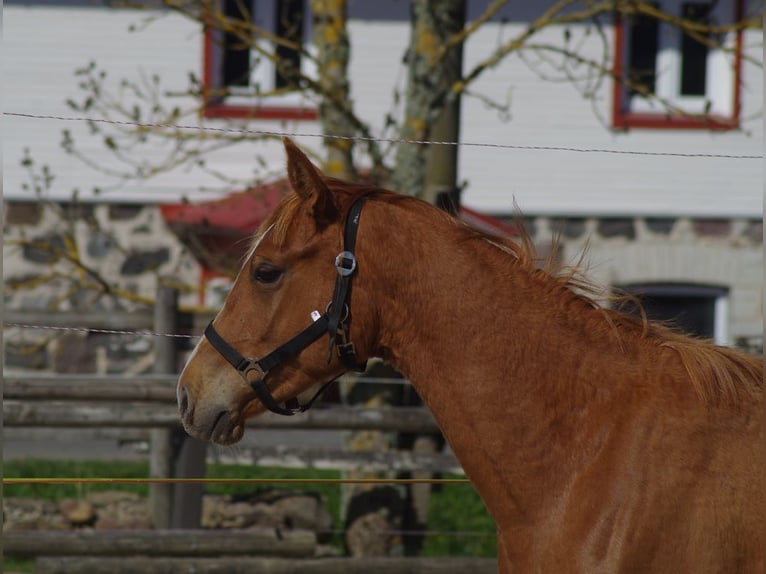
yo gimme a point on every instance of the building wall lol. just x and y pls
(43, 56)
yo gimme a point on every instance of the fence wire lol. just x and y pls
(142, 332)
(225, 481)
(277, 133)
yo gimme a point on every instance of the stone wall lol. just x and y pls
(121, 510)
(87, 258)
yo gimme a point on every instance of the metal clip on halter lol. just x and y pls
(345, 263)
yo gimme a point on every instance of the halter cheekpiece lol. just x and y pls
(334, 321)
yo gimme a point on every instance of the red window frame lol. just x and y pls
(623, 119)
(213, 108)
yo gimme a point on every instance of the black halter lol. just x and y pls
(334, 321)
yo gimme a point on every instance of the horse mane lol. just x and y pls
(718, 374)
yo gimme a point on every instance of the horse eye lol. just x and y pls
(265, 273)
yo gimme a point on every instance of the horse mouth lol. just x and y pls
(227, 429)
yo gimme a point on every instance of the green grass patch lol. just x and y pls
(71, 469)
(457, 511)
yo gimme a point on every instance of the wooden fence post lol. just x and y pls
(160, 460)
(174, 453)
(187, 498)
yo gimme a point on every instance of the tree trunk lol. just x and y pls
(332, 45)
(432, 71)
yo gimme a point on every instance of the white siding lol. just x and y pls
(567, 183)
(44, 45)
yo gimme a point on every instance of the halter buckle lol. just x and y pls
(345, 263)
(249, 366)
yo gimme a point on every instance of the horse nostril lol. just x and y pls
(183, 400)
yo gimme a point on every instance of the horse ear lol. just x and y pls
(307, 181)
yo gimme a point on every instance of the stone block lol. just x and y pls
(661, 225)
(23, 213)
(124, 211)
(139, 262)
(754, 231)
(712, 227)
(569, 227)
(617, 227)
(77, 210)
(43, 249)
(77, 512)
(100, 244)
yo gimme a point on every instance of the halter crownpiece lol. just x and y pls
(334, 321)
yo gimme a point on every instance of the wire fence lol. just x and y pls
(139, 332)
(225, 481)
(276, 133)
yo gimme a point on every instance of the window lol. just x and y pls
(697, 310)
(240, 81)
(676, 79)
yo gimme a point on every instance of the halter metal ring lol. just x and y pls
(343, 317)
(345, 263)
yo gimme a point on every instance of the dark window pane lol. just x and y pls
(694, 315)
(289, 25)
(694, 53)
(688, 309)
(642, 52)
(236, 53)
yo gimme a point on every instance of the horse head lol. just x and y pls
(286, 314)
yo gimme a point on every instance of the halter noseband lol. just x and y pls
(334, 321)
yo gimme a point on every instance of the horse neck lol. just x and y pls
(490, 345)
(459, 304)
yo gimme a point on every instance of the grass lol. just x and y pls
(457, 509)
(459, 523)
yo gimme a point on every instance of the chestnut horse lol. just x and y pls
(599, 443)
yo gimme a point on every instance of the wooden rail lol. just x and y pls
(336, 459)
(242, 565)
(134, 414)
(210, 552)
(148, 401)
(161, 542)
(160, 388)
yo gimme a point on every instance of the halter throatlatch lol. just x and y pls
(334, 321)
